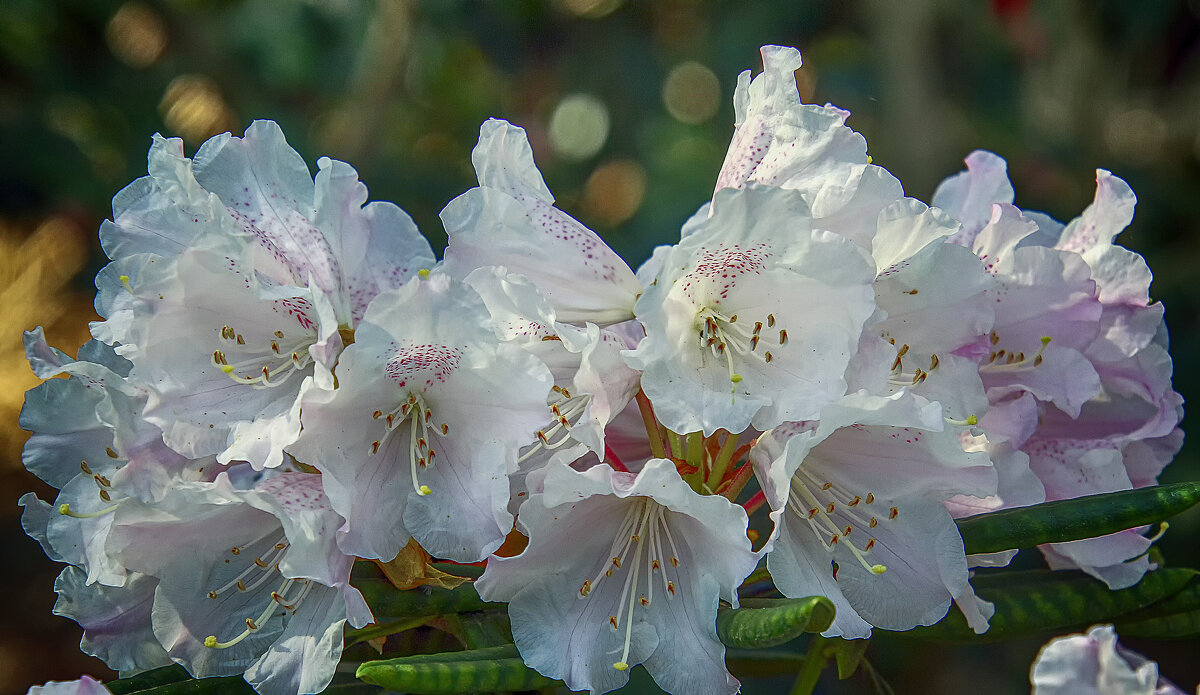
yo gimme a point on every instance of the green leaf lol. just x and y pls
(849, 654)
(196, 686)
(493, 668)
(148, 679)
(387, 600)
(1173, 618)
(1070, 520)
(1030, 603)
(762, 623)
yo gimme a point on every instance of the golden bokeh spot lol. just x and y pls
(691, 93)
(590, 9)
(194, 108)
(615, 190)
(136, 35)
(36, 271)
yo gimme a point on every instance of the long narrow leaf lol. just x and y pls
(1174, 618)
(455, 672)
(148, 679)
(1070, 520)
(387, 600)
(1030, 603)
(225, 685)
(762, 623)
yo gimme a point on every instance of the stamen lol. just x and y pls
(65, 510)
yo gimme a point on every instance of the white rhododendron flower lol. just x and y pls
(623, 569)
(818, 377)
(234, 304)
(727, 344)
(425, 424)
(857, 500)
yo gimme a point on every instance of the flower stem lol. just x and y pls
(656, 443)
(814, 663)
(724, 458)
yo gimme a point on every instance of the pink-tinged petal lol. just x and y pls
(968, 195)
(269, 192)
(115, 620)
(84, 686)
(1118, 559)
(1110, 212)
(511, 221)
(1094, 664)
(378, 244)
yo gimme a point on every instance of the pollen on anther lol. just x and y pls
(612, 620)
(870, 497)
(616, 562)
(644, 601)
(235, 550)
(212, 594)
(674, 561)
(768, 357)
(586, 588)
(241, 585)
(870, 544)
(829, 508)
(894, 513)
(671, 588)
(855, 501)
(833, 541)
(874, 522)
(847, 530)
(783, 336)
(250, 624)
(770, 320)
(279, 334)
(375, 447)
(111, 454)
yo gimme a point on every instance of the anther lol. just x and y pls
(782, 336)
(894, 513)
(111, 454)
(770, 320)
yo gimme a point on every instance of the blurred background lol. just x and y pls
(628, 107)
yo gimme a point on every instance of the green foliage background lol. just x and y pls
(399, 88)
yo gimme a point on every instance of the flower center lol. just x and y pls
(725, 335)
(287, 597)
(421, 431)
(262, 364)
(566, 410)
(104, 490)
(1003, 360)
(645, 535)
(834, 514)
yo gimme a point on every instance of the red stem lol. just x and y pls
(611, 458)
(751, 505)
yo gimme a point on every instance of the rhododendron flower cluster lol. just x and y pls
(286, 380)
